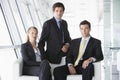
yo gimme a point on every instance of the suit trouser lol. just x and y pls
(60, 73)
(43, 71)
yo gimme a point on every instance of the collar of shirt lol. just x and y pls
(36, 50)
(57, 20)
(87, 38)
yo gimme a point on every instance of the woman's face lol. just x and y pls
(32, 34)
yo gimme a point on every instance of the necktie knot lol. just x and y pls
(82, 45)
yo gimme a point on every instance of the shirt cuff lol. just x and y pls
(70, 64)
(67, 44)
(93, 59)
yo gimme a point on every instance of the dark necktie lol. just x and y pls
(61, 30)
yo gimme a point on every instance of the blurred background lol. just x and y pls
(16, 16)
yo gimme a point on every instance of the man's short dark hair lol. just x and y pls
(58, 4)
(85, 22)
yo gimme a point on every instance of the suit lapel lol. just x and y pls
(88, 45)
(31, 50)
(77, 46)
(57, 28)
(55, 25)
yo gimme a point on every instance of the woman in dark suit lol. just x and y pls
(33, 60)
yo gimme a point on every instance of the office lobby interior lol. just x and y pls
(16, 16)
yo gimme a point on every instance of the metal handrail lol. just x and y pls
(115, 48)
(9, 47)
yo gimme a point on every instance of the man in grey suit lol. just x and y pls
(82, 54)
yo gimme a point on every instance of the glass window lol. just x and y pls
(24, 7)
(7, 53)
(18, 19)
(5, 37)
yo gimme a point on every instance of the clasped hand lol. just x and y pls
(65, 48)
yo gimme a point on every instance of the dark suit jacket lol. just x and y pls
(51, 35)
(93, 49)
(30, 66)
(28, 55)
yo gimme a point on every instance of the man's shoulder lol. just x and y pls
(75, 40)
(49, 20)
(95, 39)
(64, 20)
(53, 19)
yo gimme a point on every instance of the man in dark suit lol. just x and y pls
(55, 34)
(82, 53)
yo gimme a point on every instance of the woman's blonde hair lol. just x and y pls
(32, 27)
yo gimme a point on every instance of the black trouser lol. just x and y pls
(60, 73)
(43, 71)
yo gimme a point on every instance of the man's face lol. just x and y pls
(85, 30)
(58, 12)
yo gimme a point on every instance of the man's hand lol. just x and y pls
(86, 63)
(65, 48)
(72, 69)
